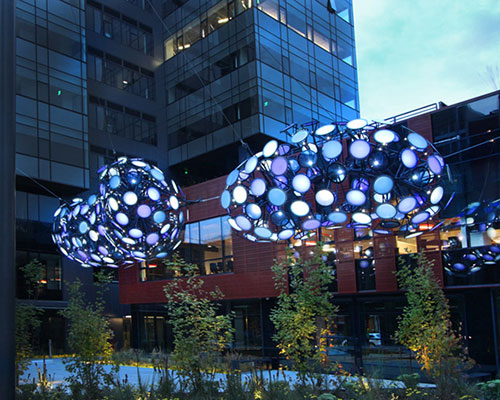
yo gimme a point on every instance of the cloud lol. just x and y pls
(411, 54)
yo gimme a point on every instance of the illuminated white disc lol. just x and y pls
(300, 135)
(433, 210)
(418, 141)
(337, 217)
(381, 198)
(409, 158)
(324, 197)
(139, 163)
(434, 165)
(233, 224)
(253, 211)
(437, 194)
(225, 199)
(276, 197)
(301, 183)
(232, 177)
(286, 234)
(130, 198)
(355, 197)
(258, 187)
(386, 211)
(384, 136)
(311, 224)
(332, 149)
(383, 184)
(361, 218)
(325, 130)
(420, 217)
(299, 208)
(414, 234)
(243, 222)
(359, 149)
(240, 194)
(263, 232)
(491, 232)
(251, 164)
(357, 123)
(270, 148)
(174, 202)
(113, 204)
(407, 204)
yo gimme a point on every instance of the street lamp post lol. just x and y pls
(7, 199)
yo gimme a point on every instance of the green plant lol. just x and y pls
(200, 332)
(89, 337)
(425, 326)
(27, 316)
(303, 305)
(409, 380)
(490, 389)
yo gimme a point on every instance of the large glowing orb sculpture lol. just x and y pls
(356, 174)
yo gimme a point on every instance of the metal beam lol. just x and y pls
(7, 199)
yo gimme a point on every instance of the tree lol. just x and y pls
(200, 332)
(303, 302)
(27, 315)
(89, 339)
(425, 326)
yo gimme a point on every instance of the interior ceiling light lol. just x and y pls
(354, 174)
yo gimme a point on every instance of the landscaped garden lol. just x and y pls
(203, 366)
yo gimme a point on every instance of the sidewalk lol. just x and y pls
(57, 373)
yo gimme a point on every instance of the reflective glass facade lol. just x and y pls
(51, 87)
(239, 69)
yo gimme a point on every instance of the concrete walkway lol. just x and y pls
(57, 374)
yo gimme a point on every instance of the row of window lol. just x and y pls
(114, 25)
(49, 77)
(120, 74)
(218, 120)
(295, 19)
(216, 70)
(202, 25)
(122, 121)
(59, 27)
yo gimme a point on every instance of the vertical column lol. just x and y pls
(7, 199)
(346, 268)
(430, 243)
(385, 263)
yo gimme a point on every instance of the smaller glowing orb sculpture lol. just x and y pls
(136, 216)
(81, 234)
(143, 209)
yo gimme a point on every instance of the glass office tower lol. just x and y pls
(245, 70)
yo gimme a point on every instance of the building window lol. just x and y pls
(208, 244)
(122, 121)
(50, 284)
(200, 27)
(113, 25)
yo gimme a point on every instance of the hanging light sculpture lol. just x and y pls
(355, 174)
(81, 235)
(142, 207)
(136, 216)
